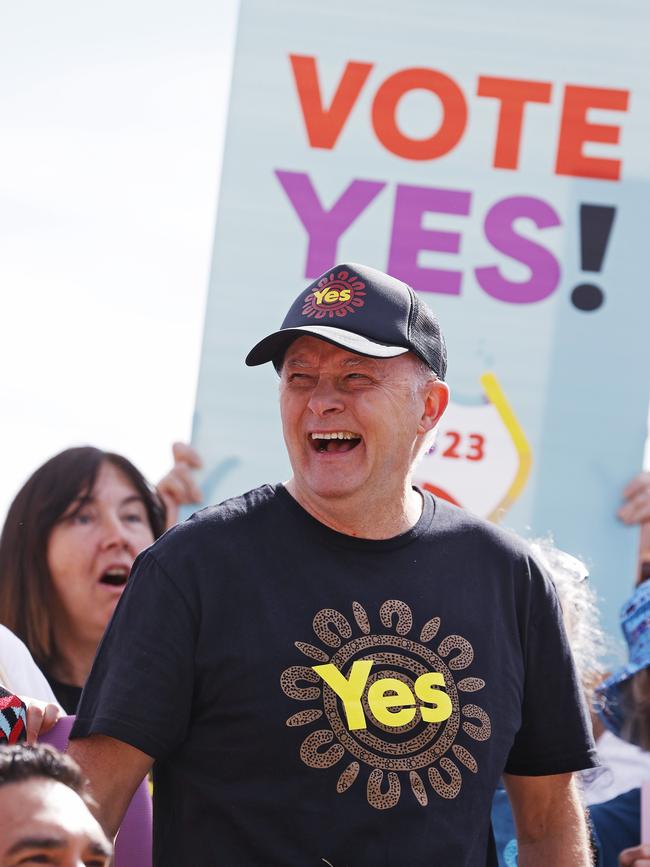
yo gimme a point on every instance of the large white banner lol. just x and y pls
(495, 157)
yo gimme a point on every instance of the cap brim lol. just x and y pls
(274, 346)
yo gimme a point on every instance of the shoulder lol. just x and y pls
(237, 511)
(495, 553)
(469, 529)
(200, 554)
(218, 525)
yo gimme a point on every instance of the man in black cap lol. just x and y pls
(338, 670)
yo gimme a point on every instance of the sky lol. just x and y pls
(111, 132)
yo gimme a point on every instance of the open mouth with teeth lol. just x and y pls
(334, 441)
(116, 577)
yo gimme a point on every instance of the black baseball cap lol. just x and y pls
(363, 310)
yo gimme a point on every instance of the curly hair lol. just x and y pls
(579, 609)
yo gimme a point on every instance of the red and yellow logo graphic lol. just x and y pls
(395, 704)
(336, 295)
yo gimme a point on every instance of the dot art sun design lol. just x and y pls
(419, 756)
(337, 294)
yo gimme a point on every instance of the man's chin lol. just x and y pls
(329, 486)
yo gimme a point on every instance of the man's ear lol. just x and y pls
(435, 403)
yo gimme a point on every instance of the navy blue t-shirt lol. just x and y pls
(617, 826)
(313, 698)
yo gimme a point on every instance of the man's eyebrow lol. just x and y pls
(302, 361)
(101, 849)
(51, 843)
(37, 843)
(364, 359)
(365, 362)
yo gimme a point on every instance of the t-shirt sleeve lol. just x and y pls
(555, 734)
(141, 684)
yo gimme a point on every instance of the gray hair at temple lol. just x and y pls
(579, 608)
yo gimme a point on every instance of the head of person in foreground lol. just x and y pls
(44, 814)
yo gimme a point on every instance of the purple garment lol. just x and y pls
(133, 844)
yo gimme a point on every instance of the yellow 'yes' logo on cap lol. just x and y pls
(337, 294)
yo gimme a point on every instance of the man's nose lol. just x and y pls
(326, 398)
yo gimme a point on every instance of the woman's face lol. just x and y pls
(91, 550)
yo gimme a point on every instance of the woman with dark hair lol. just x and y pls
(66, 551)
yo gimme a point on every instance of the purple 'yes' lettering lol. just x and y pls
(500, 232)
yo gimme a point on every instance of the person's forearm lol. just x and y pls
(550, 821)
(114, 771)
(566, 847)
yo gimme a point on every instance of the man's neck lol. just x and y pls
(385, 517)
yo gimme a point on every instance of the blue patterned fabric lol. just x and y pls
(610, 701)
(503, 828)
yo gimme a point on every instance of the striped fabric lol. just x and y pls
(13, 720)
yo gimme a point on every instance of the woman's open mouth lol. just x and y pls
(116, 576)
(334, 441)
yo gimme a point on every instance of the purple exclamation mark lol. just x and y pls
(596, 223)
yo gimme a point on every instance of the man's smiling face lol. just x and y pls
(352, 424)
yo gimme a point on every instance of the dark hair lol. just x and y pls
(20, 762)
(25, 585)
